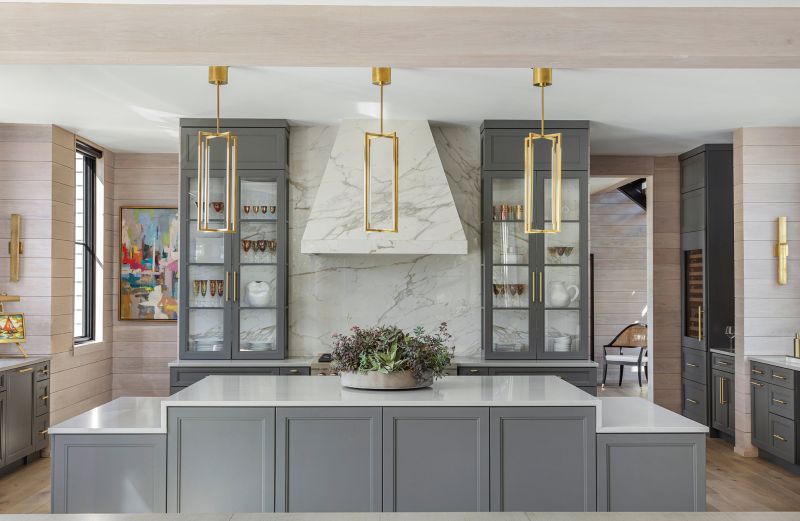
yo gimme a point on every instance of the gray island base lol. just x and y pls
(305, 444)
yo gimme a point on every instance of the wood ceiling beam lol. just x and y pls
(339, 36)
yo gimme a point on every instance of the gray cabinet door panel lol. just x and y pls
(259, 148)
(693, 211)
(19, 438)
(694, 365)
(3, 405)
(109, 473)
(694, 401)
(783, 441)
(328, 459)
(651, 473)
(759, 414)
(435, 459)
(503, 149)
(543, 459)
(220, 459)
(42, 397)
(693, 173)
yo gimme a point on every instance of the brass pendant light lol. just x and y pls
(543, 77)
(217, 75)
(381, 76)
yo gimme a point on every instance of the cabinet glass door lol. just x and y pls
(561, 278)
(206, 291)
(693, 290)
(508, 324)
(259, 253)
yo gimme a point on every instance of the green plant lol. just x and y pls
(389, 349)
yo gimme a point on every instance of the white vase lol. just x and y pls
(558, 294)
(258, 293)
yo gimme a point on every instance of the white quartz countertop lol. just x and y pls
(11, 363)
(637, 415)
(781, 361)
(298, 361)
(468, 361)
(120, 416)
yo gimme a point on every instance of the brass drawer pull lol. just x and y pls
(25, 370)
(756, 384)
(693, 402)
(756, 371)
(692, 365)
(775, 400)
(44, 397)
(474, 371)
(294, 371)
(778, 437)
(720, 362)
(42, 433)
(779, 377)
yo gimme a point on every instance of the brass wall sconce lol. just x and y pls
(782, 252)
(381, 76)
(15, 247)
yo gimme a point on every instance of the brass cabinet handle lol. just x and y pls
(44, 397)
(692, 365)
(294, 371)
(721, 362)
(693, 402)
(42, 433)
(756, 371)
(699, 322)
(756, 384)
(779, 377)
(533, 287)
(234, 286)
(25, 370)
(778, 437)
(775, 400)
(473, 371)
(722, 391)
(226, 286)
(541, 285)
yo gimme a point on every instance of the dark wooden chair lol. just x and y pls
(633, 336)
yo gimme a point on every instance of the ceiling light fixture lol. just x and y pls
(217, 75)
(542, 77)
(381, 76)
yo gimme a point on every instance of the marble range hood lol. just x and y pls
(428, 219)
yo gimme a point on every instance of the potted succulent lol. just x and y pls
(386, 357)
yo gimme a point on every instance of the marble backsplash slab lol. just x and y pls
(331, 293)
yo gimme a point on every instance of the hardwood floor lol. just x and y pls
(733, 484)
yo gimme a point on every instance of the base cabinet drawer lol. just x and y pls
(784, 402)
(784, 438)
(694, 401)
(109, 473)
(295, 371)
(42, 397)
(694, 365)
(473, 371)
(651, 473)
(40, 431)
(578, 376)
(186, 376)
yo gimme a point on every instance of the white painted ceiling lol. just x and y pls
(633, 111)
(495, 3)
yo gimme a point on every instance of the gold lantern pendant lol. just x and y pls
(381, 76)
(217, 75)
(542, 77)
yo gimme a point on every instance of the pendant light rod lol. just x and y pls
(218, 75)
(381, 76)
(542, 77)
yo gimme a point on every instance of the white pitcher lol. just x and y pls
(558, 294)
(258, 293)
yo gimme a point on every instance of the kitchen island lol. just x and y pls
(295, 444)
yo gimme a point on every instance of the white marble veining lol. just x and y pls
(296, 361)
(126, 415)
(406, 290)
(475, 361)
(428, 220)
(11, 363)
(637, 415)
(787, 362)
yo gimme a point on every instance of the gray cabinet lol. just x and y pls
(534, 288)
(427, 451)
(20, 406)
(543, 459)
(220, 459)
(722, 407)
(109, 473)
(234, 301)
(328, 459)
(775, 413)
(651, 473)
(182, 377)
(759, 411)
(2, 428)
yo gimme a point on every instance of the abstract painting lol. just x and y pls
(148, 271)
(12, 328)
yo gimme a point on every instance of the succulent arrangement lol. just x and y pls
(389, 349)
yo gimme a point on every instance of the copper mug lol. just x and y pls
(264, 209)
(272, 209)
(272, 245)
(246, 208)
(261, 245)
(246, 243)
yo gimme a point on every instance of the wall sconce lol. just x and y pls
(782, 251)
(15, 247)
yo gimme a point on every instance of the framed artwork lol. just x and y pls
(12, 328)
(148, 263)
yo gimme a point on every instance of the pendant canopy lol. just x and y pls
(381, 76)
(209, 212)
(542, 77)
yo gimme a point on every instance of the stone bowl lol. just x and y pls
(383, 382)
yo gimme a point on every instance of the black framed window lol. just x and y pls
(85, 258)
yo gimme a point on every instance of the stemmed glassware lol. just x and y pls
(730, 332)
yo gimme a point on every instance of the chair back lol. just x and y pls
(635, 335)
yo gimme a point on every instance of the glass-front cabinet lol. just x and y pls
(233, 301)
(535, 297)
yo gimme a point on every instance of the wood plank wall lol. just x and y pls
(142, 350)
(766, 186)
(664, 196)
(37, 169)
(618, 240)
